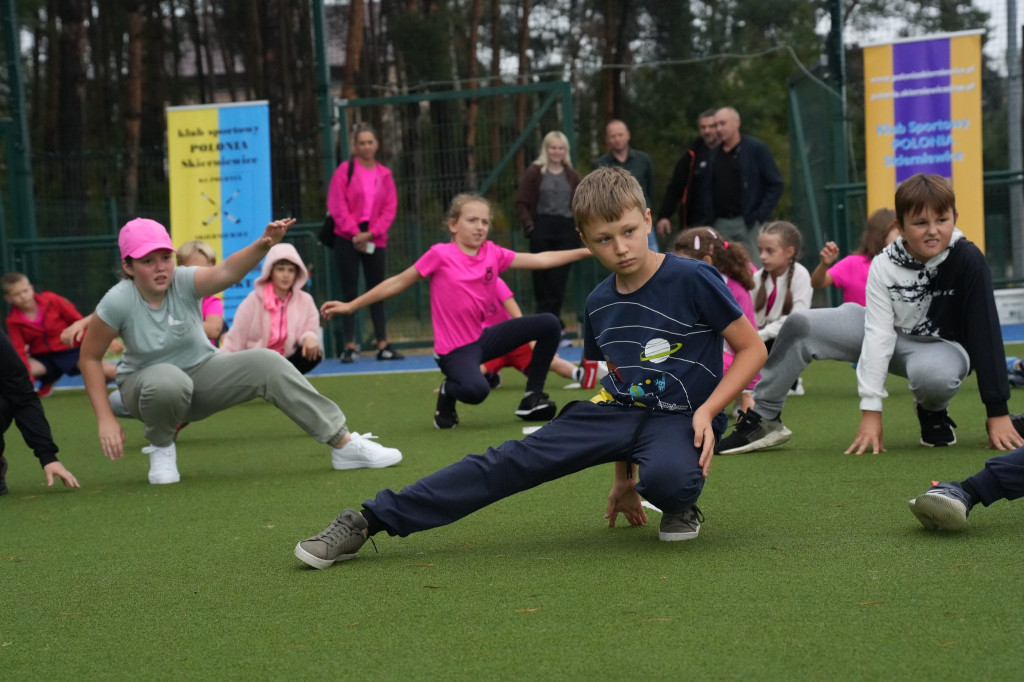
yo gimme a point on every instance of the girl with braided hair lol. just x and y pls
(782, 285)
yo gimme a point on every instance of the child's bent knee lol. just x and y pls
(671, 496)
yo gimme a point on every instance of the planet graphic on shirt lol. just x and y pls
(657, 350)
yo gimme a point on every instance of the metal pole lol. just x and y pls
(323, 90)
(327, 119)
(1013, 126)
(23, 195)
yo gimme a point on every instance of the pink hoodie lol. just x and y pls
(346, 201)
(254, 319)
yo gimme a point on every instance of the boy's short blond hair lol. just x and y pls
(190, 248)
(606, 194)
(922, 191)
(10, 279)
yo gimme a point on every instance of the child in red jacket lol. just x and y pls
(35, 324)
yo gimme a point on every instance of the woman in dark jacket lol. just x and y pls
(544, 206)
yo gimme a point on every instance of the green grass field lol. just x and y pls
(809, 565)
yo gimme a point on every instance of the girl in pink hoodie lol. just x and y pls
(278, 314)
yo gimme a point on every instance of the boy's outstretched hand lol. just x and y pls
(57, 469)
(625, 500)
(869, 434)
(332, 308)
(275, 231)
(1001, 433)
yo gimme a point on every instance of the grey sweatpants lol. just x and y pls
(935, 367)
(737, 230)
(163, 396)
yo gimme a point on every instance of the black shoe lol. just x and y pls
(493, 380)
(389, 353)
(753, 432)
(445, 417)
(936, 428)
(3, 475)
(536, 407)
(349, 356)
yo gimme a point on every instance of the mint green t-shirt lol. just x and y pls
(171, 334)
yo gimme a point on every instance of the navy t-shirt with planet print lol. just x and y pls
(662, 342)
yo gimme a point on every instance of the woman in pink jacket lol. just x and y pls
(278, 314)
(362, 200)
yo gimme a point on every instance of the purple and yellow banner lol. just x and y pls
(922, 110)
(219, 159)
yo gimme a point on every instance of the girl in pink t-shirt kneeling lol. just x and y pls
(850, 274)
(463, 275)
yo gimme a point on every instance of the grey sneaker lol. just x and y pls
(684, 526)
(338, 542)
(944, 507)
(753, 432)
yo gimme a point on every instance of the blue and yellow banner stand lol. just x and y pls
(219, 159)
(922, 109)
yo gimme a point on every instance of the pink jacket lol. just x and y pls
(345, 201)
(251, 326)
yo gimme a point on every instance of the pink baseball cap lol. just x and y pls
(141, 236)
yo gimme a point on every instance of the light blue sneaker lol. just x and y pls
(944, 507)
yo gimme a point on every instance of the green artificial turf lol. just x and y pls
(808, 566)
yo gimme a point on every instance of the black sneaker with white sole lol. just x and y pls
(753, 432)
(1018, 423)
(389, 353)
(445, 416)
(936, 428)
(536, 407)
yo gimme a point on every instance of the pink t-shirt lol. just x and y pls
(746, 302)
(462, 289)
(497, 313)
(212, 305)
(367, 177)
(850, 275)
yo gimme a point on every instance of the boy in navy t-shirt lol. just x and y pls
(658, 321)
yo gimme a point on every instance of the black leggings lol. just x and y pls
(348, 259)
(301, 363)
(461, 367)
(552, 233)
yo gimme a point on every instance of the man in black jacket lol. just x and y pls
(689, 186)
(745, 182)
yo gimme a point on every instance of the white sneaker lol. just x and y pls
(163, 464)
(798, 389)
(363, 453)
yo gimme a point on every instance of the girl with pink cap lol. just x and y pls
(170, 373)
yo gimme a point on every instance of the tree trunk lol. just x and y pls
(607, 58)
(496, 103)
(472, 105)
(197, 48)
(51, 113)
(353, 47)
(133, 107)
(71, 115)
(524, 67)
